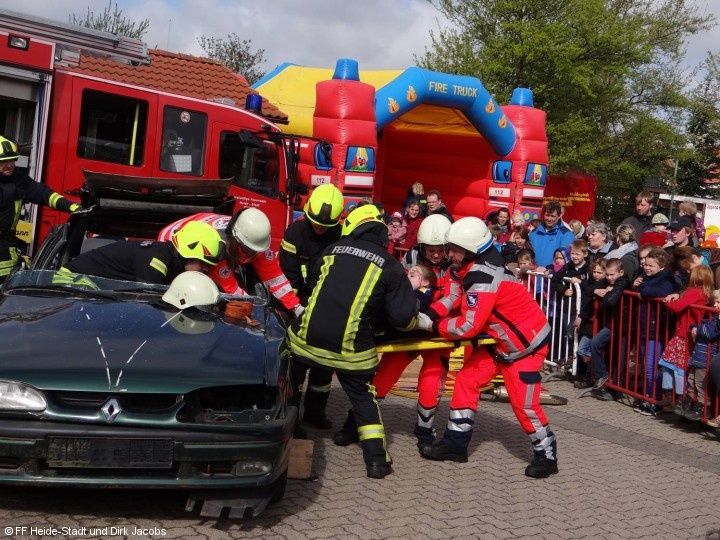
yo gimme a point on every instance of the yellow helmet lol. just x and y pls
(368, 213)
(8, 149)
(325, 205)
(198, 240)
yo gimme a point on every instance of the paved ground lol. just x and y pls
(622, 475)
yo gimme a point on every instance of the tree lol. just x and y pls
(111, 20)
(235, 54)
(606, 72)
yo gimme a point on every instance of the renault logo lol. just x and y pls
(111, 409)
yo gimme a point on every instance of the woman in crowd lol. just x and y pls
(599, 240)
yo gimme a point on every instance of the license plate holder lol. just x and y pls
(115, 453)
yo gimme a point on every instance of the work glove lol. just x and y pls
(424, 322)
(298, 310)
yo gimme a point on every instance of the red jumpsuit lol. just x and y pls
(496, 303)
(266, 264)
(435, 361)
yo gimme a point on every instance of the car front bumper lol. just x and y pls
(41, 453)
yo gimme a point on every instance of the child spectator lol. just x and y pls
(706, 336)
(612, 309)
(496, 232)
(561, 257)
(674, 360)
(658, 235)
(655, 282)
(585, 318)
(423, 281)
(525, 263)
(562, 283)
(519, 240)
(689, 210)
(518, 219)
(397, 230)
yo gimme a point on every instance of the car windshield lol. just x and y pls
(62, 281)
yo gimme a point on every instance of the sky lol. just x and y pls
(379, 34)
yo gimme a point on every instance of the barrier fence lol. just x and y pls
(639, 333)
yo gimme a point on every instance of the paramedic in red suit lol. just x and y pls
(495, 303)
(248, 258)
(430, 252)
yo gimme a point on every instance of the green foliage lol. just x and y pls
(606, 72)
(111, 20)
(235, 54)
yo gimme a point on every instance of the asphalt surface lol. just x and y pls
(622, 475)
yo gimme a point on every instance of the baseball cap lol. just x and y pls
(679, 223)
(659, 219)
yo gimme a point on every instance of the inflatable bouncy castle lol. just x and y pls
(376, 133)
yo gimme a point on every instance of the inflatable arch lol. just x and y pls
(389, 129)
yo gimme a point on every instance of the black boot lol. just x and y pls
(443, 451)
(315, 404)
(348, 434)
(541, 467)
(425, 436)
(379, 470)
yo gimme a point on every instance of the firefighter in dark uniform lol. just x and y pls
(359, 285)
(197, 246)
(301, 247)
(16, 189)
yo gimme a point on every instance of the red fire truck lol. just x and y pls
(70, 123)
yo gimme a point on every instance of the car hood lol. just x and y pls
(92, 345)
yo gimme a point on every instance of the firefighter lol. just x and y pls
(16, 189)
(435, 362)
(359, 285)
(496, 303)
(196, 246)
(248, 259)
(300, 249)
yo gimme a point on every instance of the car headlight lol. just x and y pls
(16, 396)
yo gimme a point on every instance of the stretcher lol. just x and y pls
(407, 387)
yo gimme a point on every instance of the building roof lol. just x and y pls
(180, 74)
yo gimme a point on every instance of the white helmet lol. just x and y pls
(191, 289)
(469, 233)
(252, 229)
(432, 230)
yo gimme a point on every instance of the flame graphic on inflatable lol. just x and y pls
(411, 94)
(490, 107)
(393, 106)
(502, 122)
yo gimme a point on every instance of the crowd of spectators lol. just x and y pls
(646, 253)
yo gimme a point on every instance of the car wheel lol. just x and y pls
(279, 488)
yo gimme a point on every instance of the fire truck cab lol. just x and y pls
(69, 123)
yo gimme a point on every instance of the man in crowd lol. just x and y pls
(550, 235)
(642, 220)
(436, 206)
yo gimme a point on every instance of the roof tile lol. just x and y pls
(178, 73)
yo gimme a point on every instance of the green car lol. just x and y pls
(110, 385)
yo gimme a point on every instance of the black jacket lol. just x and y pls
(300, 249)
(131, 260)
(359, 285)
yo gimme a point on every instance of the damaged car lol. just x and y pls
(117, 384)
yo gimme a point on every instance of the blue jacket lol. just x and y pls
(545, 242)
(706, 343)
